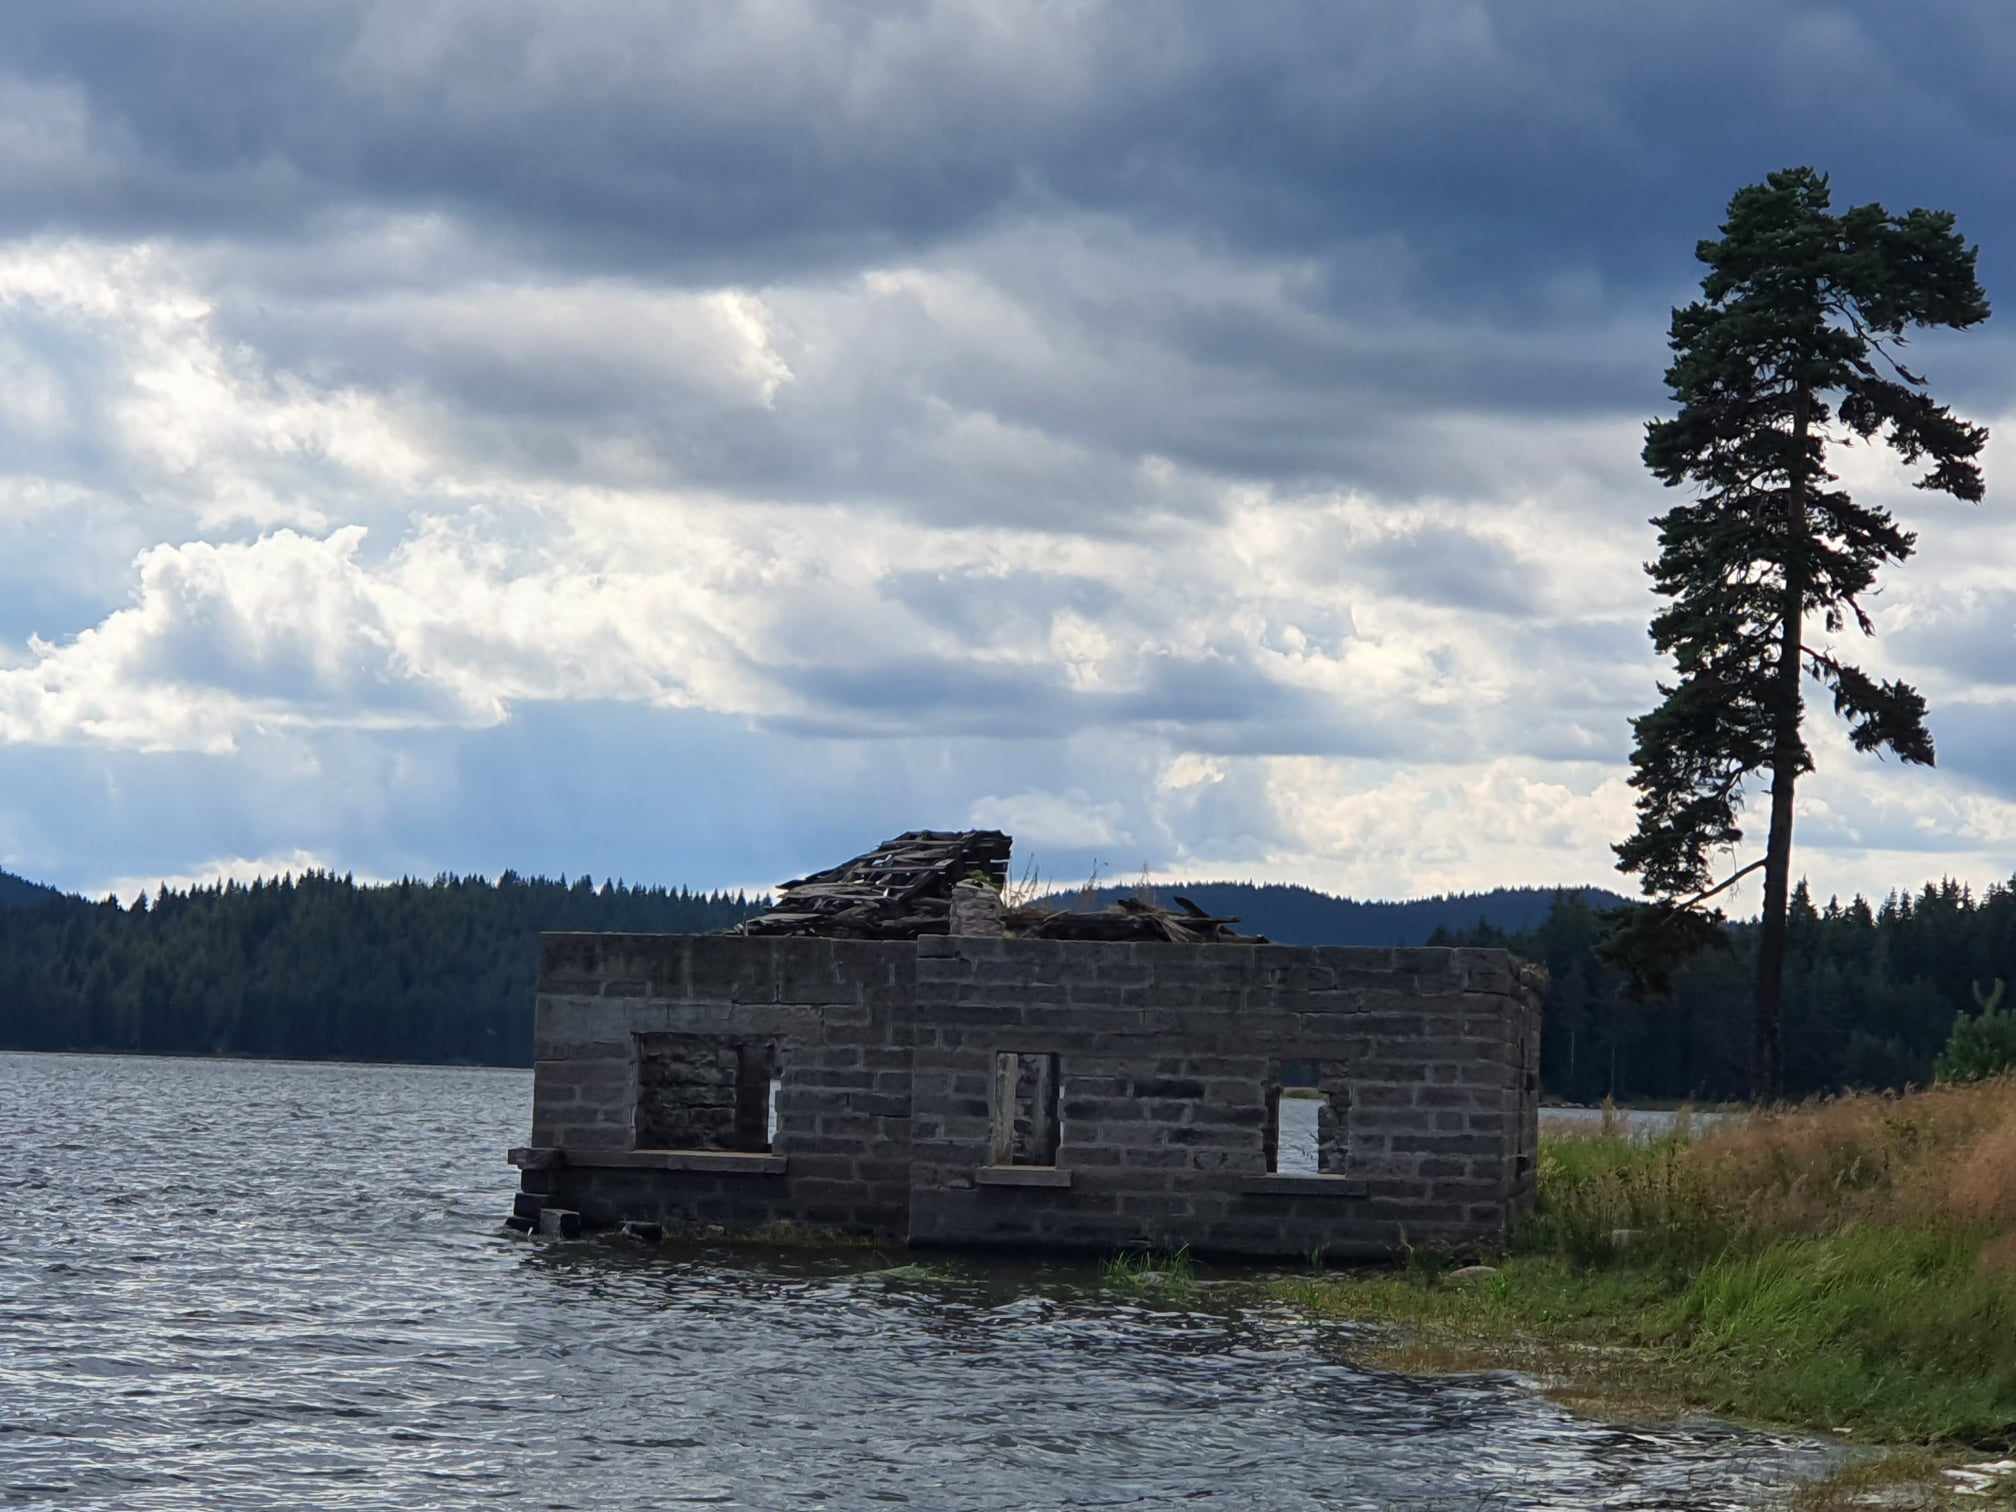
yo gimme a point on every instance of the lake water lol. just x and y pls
(1639, 1123)
(240, 1284)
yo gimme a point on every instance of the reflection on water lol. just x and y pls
(251, 1284)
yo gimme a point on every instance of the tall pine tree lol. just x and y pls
(1791, 351)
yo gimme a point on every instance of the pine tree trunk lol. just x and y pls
(1784, 775)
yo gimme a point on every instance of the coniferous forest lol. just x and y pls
(320, 966)
(1870, 996)
(314, 966)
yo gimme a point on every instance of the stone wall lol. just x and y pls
(970, 1090)
(1171, 1059)
(834, 1018)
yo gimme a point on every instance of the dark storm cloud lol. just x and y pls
(1509, 145)
(1305, 235)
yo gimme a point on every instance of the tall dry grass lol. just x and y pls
(1847, 1264)
(1942, 1159)
(1841, 1261)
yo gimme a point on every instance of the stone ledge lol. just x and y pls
(1274, 1185)
(716, 1162)
(535, 1157)
(1021, 1176)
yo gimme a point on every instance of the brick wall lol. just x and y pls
(1168, 1065)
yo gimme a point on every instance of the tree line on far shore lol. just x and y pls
(320, 966)
(314, 966)
(1871, 996)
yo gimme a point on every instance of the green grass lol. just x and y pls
(1880, 1336)
(1847, 1268)
(1171, 1274)
(1894, 1332)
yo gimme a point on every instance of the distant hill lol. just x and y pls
(1293, 915)
(19, 892)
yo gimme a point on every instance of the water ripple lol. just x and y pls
(232, 1284)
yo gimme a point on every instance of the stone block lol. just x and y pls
(1446, 1144)
(936, 969)
(1465, 1191)
(1153, 1158)
(1186, 1087)
(1455, 1097)
(1390, 1120)
(879, 1104)
(560, 1223)
(734, 969)
(1102, 1109)
(607, 1073)
(1387, 1095)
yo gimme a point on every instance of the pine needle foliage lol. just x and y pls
(1792, 351)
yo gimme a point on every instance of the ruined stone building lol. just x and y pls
(974, 1089)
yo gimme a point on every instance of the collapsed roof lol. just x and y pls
(898, 891)
(903, 889)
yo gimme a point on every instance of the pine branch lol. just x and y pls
(1722, 886)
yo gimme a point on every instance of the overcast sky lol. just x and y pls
(695, 442)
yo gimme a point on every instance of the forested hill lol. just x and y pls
(19, 892)
(318, 966)
(1870, 996)
(314, 966)
(1291, 915)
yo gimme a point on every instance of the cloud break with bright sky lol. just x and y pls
(692, 442)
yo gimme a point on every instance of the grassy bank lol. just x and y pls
(1846, 1265)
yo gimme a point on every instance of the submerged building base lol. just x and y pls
(965, 1090)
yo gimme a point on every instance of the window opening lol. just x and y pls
(754, 1077)
(1295, 1116)
(701, 1092)
(1305, 1131)
(1023, 1109)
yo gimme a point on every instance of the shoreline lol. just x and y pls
(1845, 1268)
(276, 1060)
